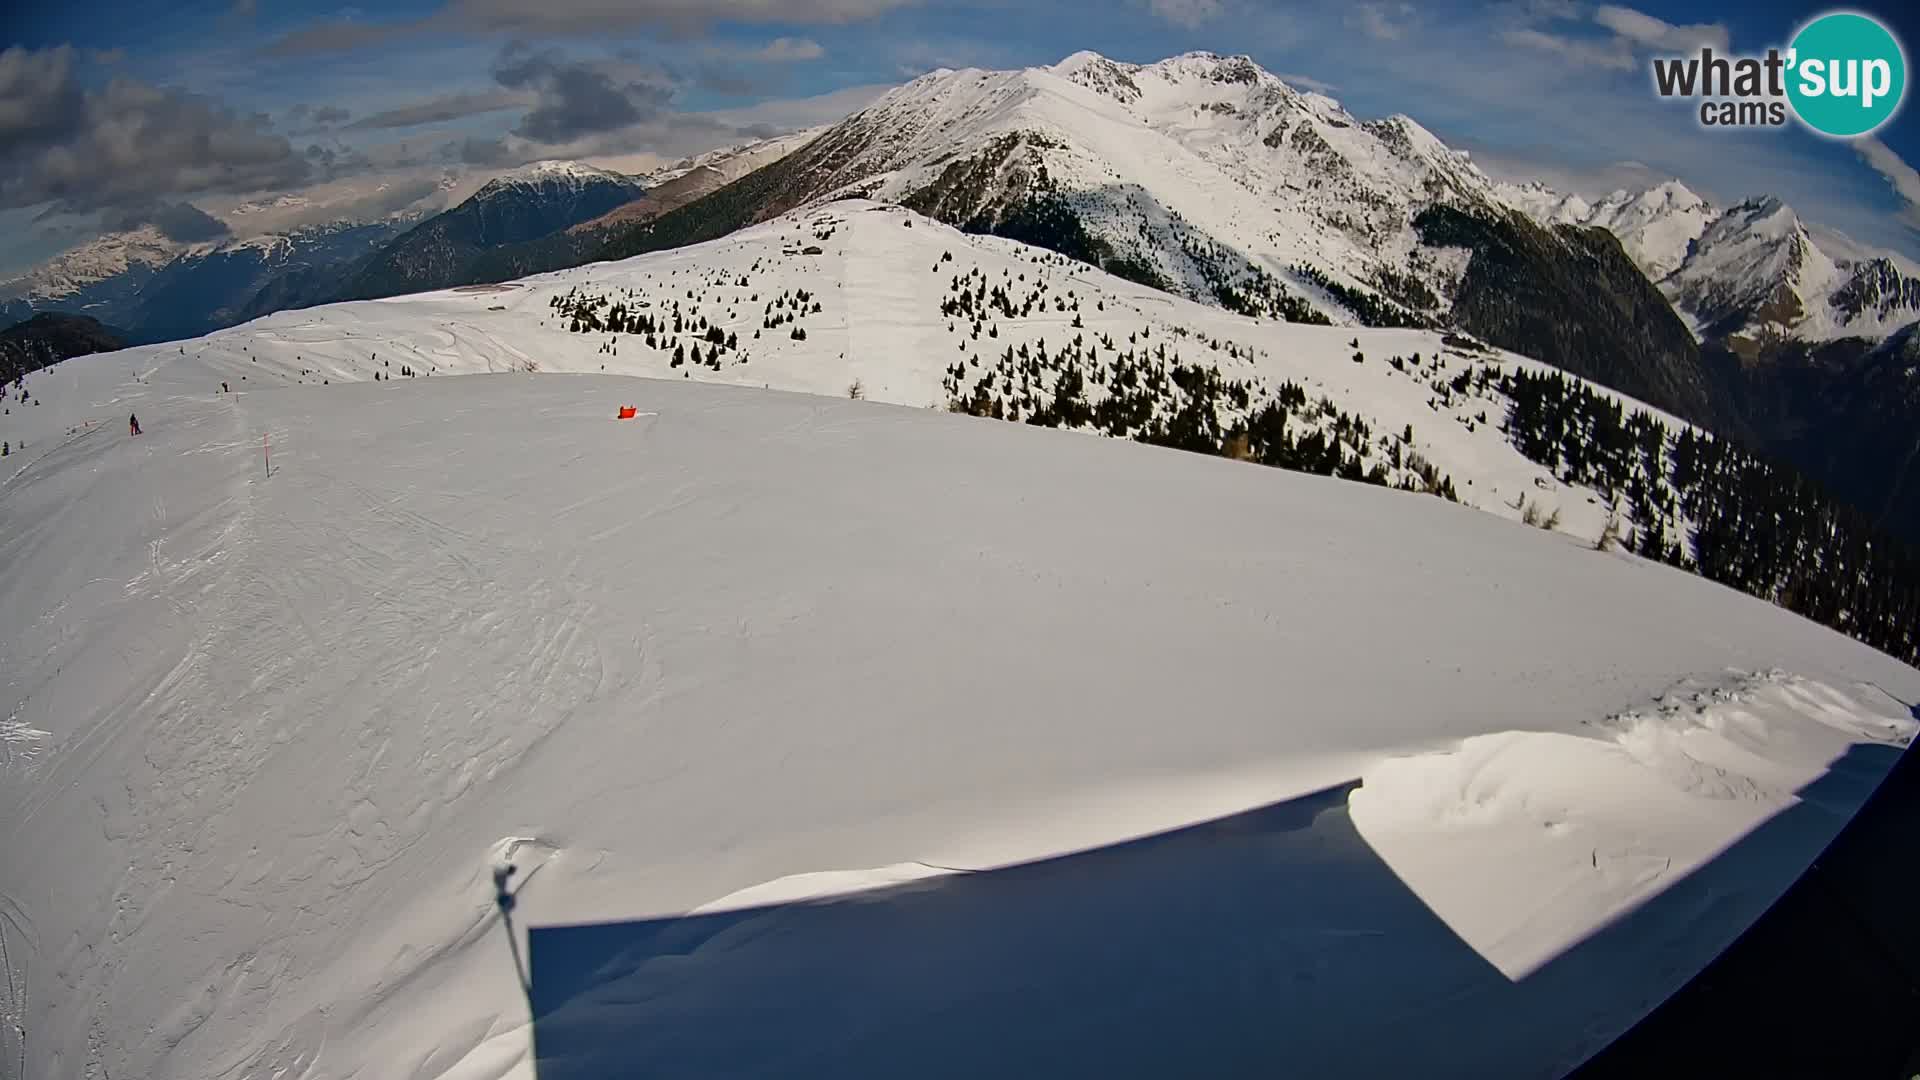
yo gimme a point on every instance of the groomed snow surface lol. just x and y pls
(831, 737)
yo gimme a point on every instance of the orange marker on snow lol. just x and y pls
(627, 412)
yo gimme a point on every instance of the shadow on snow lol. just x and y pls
(1271, 942)
(1826, 982)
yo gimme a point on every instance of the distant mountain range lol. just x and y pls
(666, 190)
(522, 206)
(103, 276)
(1751, 275)
(1204, 174)
(202, 292)
(548, 214)
(1210, 178)
(159, 291)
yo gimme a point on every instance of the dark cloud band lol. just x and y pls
(126, 144)
(575, 98)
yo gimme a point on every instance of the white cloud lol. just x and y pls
(921, 55)
(1630, 33)
(1384, 22)
(1612, 54)
(434, 110)
(787, 48)
(125, 144)
(1187, 13)
(538, 18)
(1658, 34)
(792, 114)
(600, 15)
(1899, 175)
(1548, 10)
(667, 138)
(1308, 82)
(1591, 182)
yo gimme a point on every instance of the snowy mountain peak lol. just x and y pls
(1101, 75)
(103, 257)
(1766, 214)
(1406, 138)
(1674, 195)
(1666, 197)
(1089, 64)
(1547, 205)
(1657, 227)
(1766, 234)
(734, 160)
(1212, 68)
(1201, 168)
(554, 173)
(1755, 276)
(281, 202)
(1749, 274)
(1194, 77)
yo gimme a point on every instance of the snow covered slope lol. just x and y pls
(691, 178)
(888, 286)
(730, 163)
(155, 289)
(271, 741)
(268, 740)
(1201, 171)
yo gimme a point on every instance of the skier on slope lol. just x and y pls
(133, 423)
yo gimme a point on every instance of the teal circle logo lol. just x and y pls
(1847, 74)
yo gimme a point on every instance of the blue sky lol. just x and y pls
(118, 112)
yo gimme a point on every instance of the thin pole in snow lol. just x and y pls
(266, 449)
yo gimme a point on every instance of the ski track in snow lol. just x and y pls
(272, 740)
